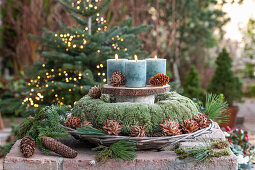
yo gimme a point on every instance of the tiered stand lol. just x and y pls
(135, 95)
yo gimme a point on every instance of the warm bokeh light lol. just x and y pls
(239, 14)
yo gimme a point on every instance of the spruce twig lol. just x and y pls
(203, 153)
(88, 131)
(122, 149)
(44, 123)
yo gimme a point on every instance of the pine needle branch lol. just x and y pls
(215, 106)
(122, 149)
(88, 130)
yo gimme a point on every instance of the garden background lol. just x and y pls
(209, 46)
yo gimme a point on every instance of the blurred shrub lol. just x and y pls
(224, 81)
(251, 91)
(192, 85)
(11, 96)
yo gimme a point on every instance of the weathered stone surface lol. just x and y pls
(146, 160)
(15, 161)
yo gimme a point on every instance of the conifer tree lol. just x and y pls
(224, 81)
(192, 86)
(75, 55)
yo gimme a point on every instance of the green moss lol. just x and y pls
(224, 152)
(168, 106)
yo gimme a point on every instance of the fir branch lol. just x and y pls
(44, 123)
(88, 130)
(122, 149)
(203, 153)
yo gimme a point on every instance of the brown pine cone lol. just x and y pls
(202, 121)
(27, 146)
(58, 147)
(137, 131)
(117, 79)
(159, 80)
(190, 126)
(112, 127)
(73, 122)
(171, 128)
(95, 92)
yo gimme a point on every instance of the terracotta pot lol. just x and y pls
(230, 120)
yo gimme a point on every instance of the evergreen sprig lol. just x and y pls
(203, 152)
(88, 130)
(215, 106)
(122, 149)
(44, 123)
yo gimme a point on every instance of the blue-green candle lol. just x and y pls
(155, 66)
(114, 65)
(135, 73)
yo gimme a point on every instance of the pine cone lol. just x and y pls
(117, 79)
(73, 122)
(159, 80)
(27, 146)
(112, 127)
(171, 128)
(137, 131)
(95, 92)
(190, 126)
(202, 121)
(86, 123)
(58, 147)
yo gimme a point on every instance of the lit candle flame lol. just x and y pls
(156, 57)
(116, 57)
(135, 58)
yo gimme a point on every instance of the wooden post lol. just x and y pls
(1, 122)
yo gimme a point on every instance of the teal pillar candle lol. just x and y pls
(155, 66)
(114, 65)
(135, 73)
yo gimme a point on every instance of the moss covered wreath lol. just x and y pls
(168, 106)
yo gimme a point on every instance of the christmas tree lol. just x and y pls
(224, 81)
(74, 58)
(192, 86)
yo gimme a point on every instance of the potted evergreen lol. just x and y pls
(224, 82)
(192, 85)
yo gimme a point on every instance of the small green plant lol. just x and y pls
(224, 81)
(192, 86)
(241, 146)
(122, 149)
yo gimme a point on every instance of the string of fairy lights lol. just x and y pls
(49, 81)
(71, 41)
